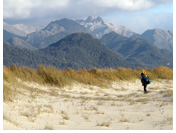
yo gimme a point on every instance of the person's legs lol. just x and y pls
(145, 86)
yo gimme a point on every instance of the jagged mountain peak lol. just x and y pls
(91, 19)
(100, 28)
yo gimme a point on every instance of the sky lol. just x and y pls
(137, 15)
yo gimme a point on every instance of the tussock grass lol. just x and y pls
(95, 76)
(24, 73)
(8, 93)
(163, 72)
(8, 75)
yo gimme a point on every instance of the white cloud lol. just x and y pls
(16, 8)
(42, 8)
(128, 5)
(27, 8)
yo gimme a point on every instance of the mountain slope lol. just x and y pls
(7, 35)
(139, 51)
(18, 56)
(122, 30)
(13, 30)
(57, 29)
(65, 25)
(160, 38)
(112, 39)
(76, 51)
(86, 52)
(27, 28)
(25, 57)
(20, 43)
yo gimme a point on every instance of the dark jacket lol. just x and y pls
(144, 79)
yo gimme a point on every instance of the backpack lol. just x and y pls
(145, 79)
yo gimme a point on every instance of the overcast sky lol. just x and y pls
(137, 15)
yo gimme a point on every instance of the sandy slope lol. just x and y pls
(123, 105)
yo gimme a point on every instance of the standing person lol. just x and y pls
(145, 80)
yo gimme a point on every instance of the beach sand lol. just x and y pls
(121, 106)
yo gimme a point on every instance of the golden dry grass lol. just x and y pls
(99, 77)
(7, 93)
(95, 76)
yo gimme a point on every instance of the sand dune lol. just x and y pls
(122, 105)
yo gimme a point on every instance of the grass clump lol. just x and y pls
(25, 73)
(8, 75)
(52, 75)
(8, 93)
(163, 72)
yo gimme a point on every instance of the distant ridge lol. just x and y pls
(138, 50)
(160, 38)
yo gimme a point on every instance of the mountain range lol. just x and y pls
(138, 50)
(41, 37)
(53, 32)
(124, 47)
(76, 51)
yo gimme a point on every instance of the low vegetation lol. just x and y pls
(95, 76)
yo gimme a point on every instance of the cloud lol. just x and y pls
(43, 8)
(30, 8)
(127, 5)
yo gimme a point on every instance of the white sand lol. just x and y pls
(123, 105)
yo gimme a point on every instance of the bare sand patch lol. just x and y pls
(122, 105)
